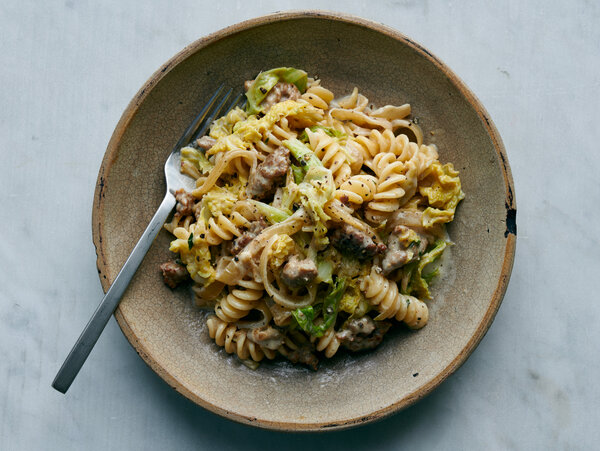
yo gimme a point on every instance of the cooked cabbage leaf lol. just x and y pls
(298, 172)
(315, 191)
(283, 246)
(196, 158)
(328, 130)
(351, 299)
(324, 270)
(265, 81)
(220, 200)
(419, 282)
(301, 152)
(305, 317)
(442, 189)
(196, 258)
(273, 214)
(225, 124)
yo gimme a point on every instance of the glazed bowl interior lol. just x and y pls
(388, 68)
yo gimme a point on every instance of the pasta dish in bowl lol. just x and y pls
(313, 223)
(326, 227)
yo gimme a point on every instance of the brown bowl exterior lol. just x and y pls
(344, 52)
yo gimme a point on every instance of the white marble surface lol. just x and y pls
(69, 68)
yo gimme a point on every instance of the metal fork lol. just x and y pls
(175, 180)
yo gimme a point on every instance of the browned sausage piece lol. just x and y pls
(355, 243)
(279, 93)
(185, 202)
(266, 176)
(362, 333)
(206, 142)
(267, 337)
(298, 273)
(303, 355)
(400, 251)
(245, 238)
(174, 273)
(281, 316)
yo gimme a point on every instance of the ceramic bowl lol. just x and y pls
(389, 68)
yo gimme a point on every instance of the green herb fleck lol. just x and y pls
(414, 243)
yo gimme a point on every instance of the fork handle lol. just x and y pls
(88, 338)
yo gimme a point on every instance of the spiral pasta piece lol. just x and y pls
(391, 182)
(179, 221)
(417, 313)
(330, 152)
(354, 101)
(384, 295)
(246, 348)
(426, 156)
(328, 343)
(239, 301)
(225, 163)
(236, 341)
(222, 332)
(220, 228)
(318, 96)
(357, 189)
(343, 127)
(274, 138)
(376, 143)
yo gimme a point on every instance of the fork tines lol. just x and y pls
(214, 108)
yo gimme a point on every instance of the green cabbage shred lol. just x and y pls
(305, 317)
(265, 81)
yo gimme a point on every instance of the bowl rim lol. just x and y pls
(510, 204)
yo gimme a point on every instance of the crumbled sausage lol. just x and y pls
(258, 226)
(355, 243)
(174, 273)
(303, 355)
(364, 325)
(298, 273)
(395, 257)
(280, 92)
(266, 176)
(240, 243)
(281, 316)
(246, 237)
(404, 246)
(362, 333)
(267, 337)
(185, 202)
(206, 142)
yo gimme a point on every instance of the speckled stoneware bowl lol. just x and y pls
(344, 52)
